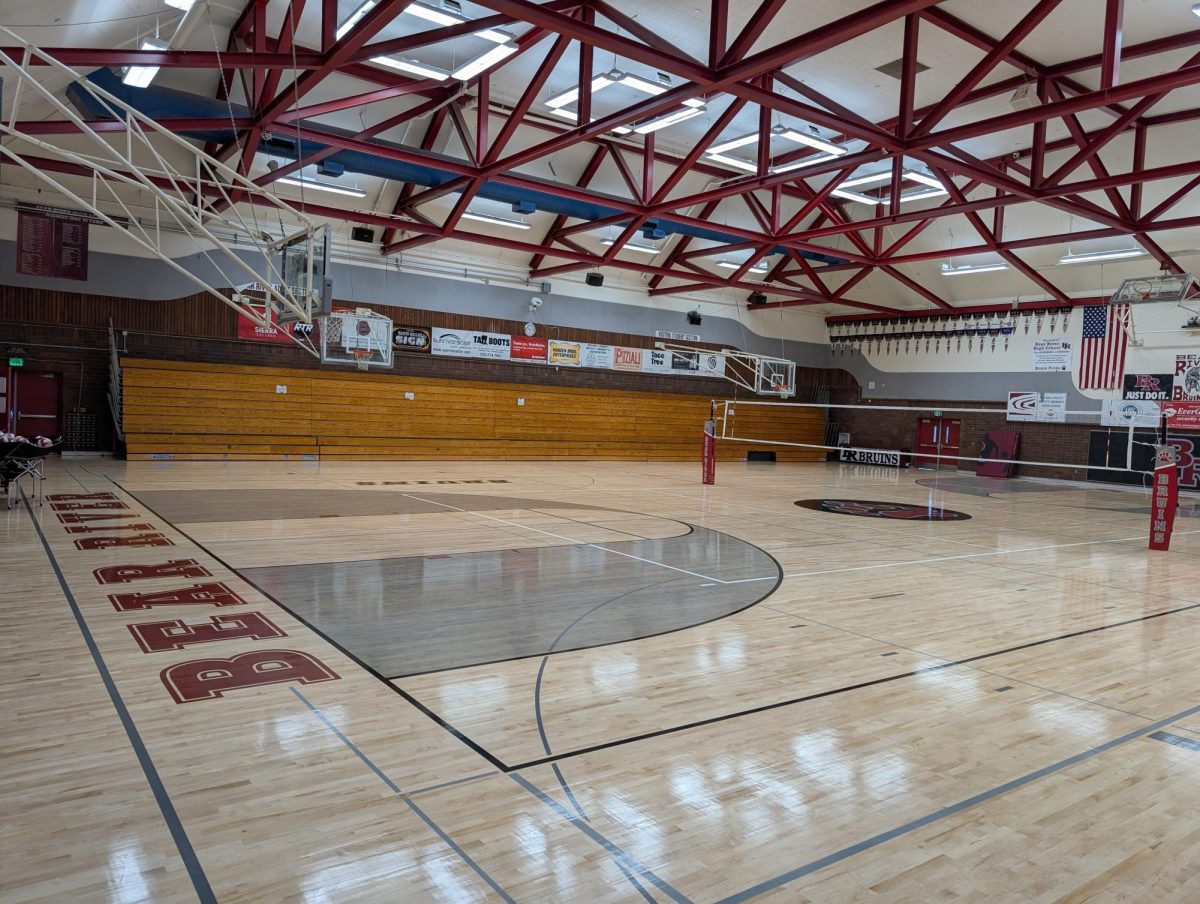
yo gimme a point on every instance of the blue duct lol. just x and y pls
(166, 103)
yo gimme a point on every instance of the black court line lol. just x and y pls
(183, 844)
(409, 698)
(425, 817)
(700, 723)
(876, 840)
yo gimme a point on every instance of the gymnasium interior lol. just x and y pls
(594, 451)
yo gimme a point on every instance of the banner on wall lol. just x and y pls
(528, 348)
(678, 337)
(656, 361)
(411, 338)
(627, 358)
(1123, 412)
(712, 365)
(685, 362)
(564, 354)
(1182, 415)
(1187, 378)
(248, 329)
(1050, 356)
(1022, 406)
(593, 355)
(1148, 387)
(1052, 408)
(469, 344)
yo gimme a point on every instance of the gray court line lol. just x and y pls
(1177, 740)
(876, 840)
(183, 844)
(617, 853)
(453, 782)
(463, 855)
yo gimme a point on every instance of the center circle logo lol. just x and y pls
(897, 511)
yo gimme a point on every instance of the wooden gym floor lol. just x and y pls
(585, 682)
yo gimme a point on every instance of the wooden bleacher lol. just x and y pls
(205, 411)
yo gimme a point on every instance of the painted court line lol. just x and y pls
(876, 840)
(463, 855)
(187, 853)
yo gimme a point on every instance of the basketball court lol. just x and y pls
(356, 550)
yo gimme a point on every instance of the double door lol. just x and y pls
(937, 442)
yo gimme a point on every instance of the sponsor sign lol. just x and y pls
(470, 344)
(528, 348)
(593, 355)
(1052, 408)
(1050, 356)
(1123, 412)
(678, 337)
(711, 364)
(1022, 406)
(1187, 378)
(248, 329)
(869, 457)
(1105, 449)
(565, 354)
(1148, 387)
(410, 338)
(685, 362)
(1182, 415)
(656, 361)
(627, 358)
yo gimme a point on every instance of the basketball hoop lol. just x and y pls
(362, 358)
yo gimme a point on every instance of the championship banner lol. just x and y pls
(1182, 415)
(1148, 387)
(1187, 378)
(528, 348)
(411, 338)
(627, 358)
(1166, 498)
(565, 354)
(469, 344)
(593, 355)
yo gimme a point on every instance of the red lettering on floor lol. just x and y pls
(176, 568)
(204, 679)
(154, 637)
(215, 594)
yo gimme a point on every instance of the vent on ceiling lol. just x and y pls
(896, 67)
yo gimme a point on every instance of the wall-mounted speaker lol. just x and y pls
(594, 279)
(758, 298)
(362, 234)
(694, 318)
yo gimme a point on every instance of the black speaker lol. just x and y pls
(758, 298)
(362, 234)
(594, 279)
(694, 318)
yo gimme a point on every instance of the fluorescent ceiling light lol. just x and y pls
(355, 18)
(444, 17)
(873, 179)
(496, 221)
(569, 97)
(142, 76)
(1196, 9)
(808, 161)
(813, 141)
(669, 120)
(412, 67)
(914, 176)
(732, 161)
(634, 246)
(760, 267)
(184, 5)
(316, 184)
(752, 138)
(934, 190)
(1089, 256)
(486, 61)
(947, 270)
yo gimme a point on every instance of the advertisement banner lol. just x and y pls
(1148, 387)
(593, 355)
(1050, 356)
(1182, 415)
(870, 457)
(627, 358)
(1187, 378)
(685, 362)
(469, 344)
(1052, 408)
(411, 338)
(565, 354)
(1022, 406)
(1123, 412)
(528, 348)
(248, 329)
(711, 365)
(656, 361)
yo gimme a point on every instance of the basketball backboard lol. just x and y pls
(360, 337)
(1168, 287)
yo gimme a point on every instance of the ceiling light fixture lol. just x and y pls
(184, 5)
(813, 141)
(142, 76)
(355, 18)
(948, 270)
(1196, 9)
(933, 189)
(497, 54)
(510, 222)
(444, 17)
(717, 154)
(634, 246)
(318, 185)
(412, 67)
(669, 120)
(760, 267)
(1087, 257)
(569, 97)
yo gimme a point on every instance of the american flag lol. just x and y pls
(1102, 363)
